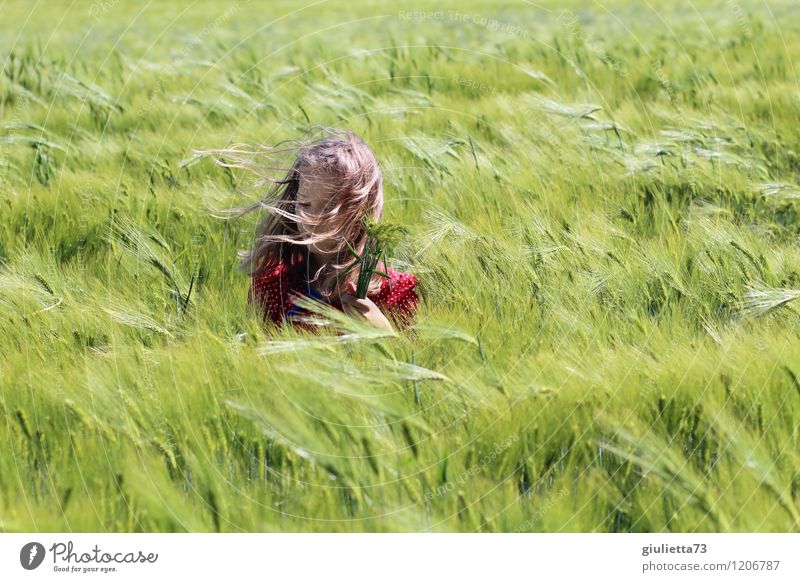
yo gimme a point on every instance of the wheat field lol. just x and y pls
(602, 202)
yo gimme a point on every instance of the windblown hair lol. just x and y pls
(279, 238)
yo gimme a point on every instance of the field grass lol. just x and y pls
(602, 201)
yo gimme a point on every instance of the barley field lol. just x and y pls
(603, 207)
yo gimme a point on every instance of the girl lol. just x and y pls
(299, 247)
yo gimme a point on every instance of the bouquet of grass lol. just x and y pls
(382, 238)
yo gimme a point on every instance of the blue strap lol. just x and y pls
(312, 293)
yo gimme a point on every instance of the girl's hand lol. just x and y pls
(365, 308)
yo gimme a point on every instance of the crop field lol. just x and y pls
(603, 207)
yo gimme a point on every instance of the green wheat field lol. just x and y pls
(604, 218)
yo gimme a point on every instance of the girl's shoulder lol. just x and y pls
(281, 271)
(272, 275)
(273, 285)
(399, 291)
(272, 289)
(397, 279)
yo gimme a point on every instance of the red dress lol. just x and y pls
(271, 291)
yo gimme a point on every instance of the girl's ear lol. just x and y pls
(351, 288)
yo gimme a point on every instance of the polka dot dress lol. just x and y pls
(397, 297)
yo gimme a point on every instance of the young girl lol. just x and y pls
(300, 248)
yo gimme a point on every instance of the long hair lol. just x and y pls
(279, 237)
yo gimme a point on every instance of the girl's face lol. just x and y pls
(316, 190)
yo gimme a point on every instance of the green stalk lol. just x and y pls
(381, 238)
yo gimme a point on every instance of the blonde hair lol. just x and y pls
(278, 238)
